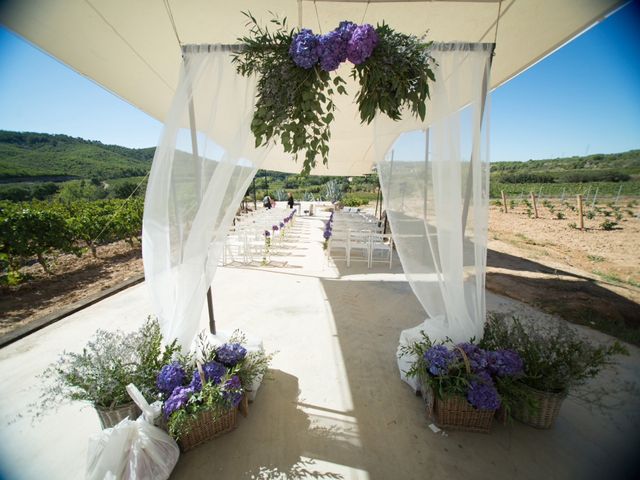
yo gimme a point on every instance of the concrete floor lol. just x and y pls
(334, 406)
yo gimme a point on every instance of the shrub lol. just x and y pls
(608, 225)
(555, 358)
(351, 200)
(107, 364)
(560, 215)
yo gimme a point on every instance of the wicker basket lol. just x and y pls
(548, 408)
(206, 427)
(111, 417)
(455, 412)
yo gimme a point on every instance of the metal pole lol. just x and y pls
(255, 203)
(194, 147)
(212, 320)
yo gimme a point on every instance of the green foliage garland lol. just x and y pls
(294, 105)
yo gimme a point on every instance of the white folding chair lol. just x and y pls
(358, 247)
(381, 249)
(338, 245)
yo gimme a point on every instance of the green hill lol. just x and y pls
(39, 157)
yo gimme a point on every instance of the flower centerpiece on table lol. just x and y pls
(556, 358)
(463, 374)
(101, 372)
(327, 233)
(294, 102)
(267, 247)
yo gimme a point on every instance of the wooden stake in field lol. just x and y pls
(535, 205)
(580, 212)
(504, 200)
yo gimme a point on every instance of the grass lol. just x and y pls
(595, 258)
(612, 278)
(529, 241)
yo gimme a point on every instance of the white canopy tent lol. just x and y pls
(206, 159)
(133, 48)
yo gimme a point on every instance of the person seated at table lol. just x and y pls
(266, 201)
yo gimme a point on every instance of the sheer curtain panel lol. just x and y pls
(202, 167)
(435, 188)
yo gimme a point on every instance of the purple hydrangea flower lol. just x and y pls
(213, 372)
(177, 400)
(274, 228)
(230, 354)
(304, 49)
(345, 29)
(327, 234)
(361, 44)
(281, 225)
(505, 363)
(332, 50)
(170, 377)
(477, 356)
(286, 220)
(233, 390)
(267, 233)
(438, 359)
(483, 395)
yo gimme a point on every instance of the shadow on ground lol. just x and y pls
(271, 443)
(575, 298)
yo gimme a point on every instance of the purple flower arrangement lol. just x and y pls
(221, 378)
(446, 371)
(347, 42)
(230, 354)
(328, 231)
(170, 377)
(274, 228)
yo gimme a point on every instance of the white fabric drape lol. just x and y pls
(202, 167)
(435, 189)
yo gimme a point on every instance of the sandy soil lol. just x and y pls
(591, 277)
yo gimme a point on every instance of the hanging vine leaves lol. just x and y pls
(295, 87)
(396, 76)
(293, 104)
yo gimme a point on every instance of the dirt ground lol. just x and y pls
(72, 280)
(590, 277)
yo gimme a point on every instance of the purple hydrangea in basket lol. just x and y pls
(213, 372)
(465, 370)
(230, 354)
(170, 377)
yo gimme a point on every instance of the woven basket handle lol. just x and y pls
(200, 372)
(465, 359)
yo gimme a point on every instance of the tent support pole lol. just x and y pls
(255, 202)
(212, 320)
(194, 149)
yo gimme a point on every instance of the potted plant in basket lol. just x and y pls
(101, 372)
(555, 359)
(201, 392)
(459, 381)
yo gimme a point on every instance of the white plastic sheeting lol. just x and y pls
(436, 197)
(198, 178)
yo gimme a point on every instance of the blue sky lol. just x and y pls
(585, 98)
